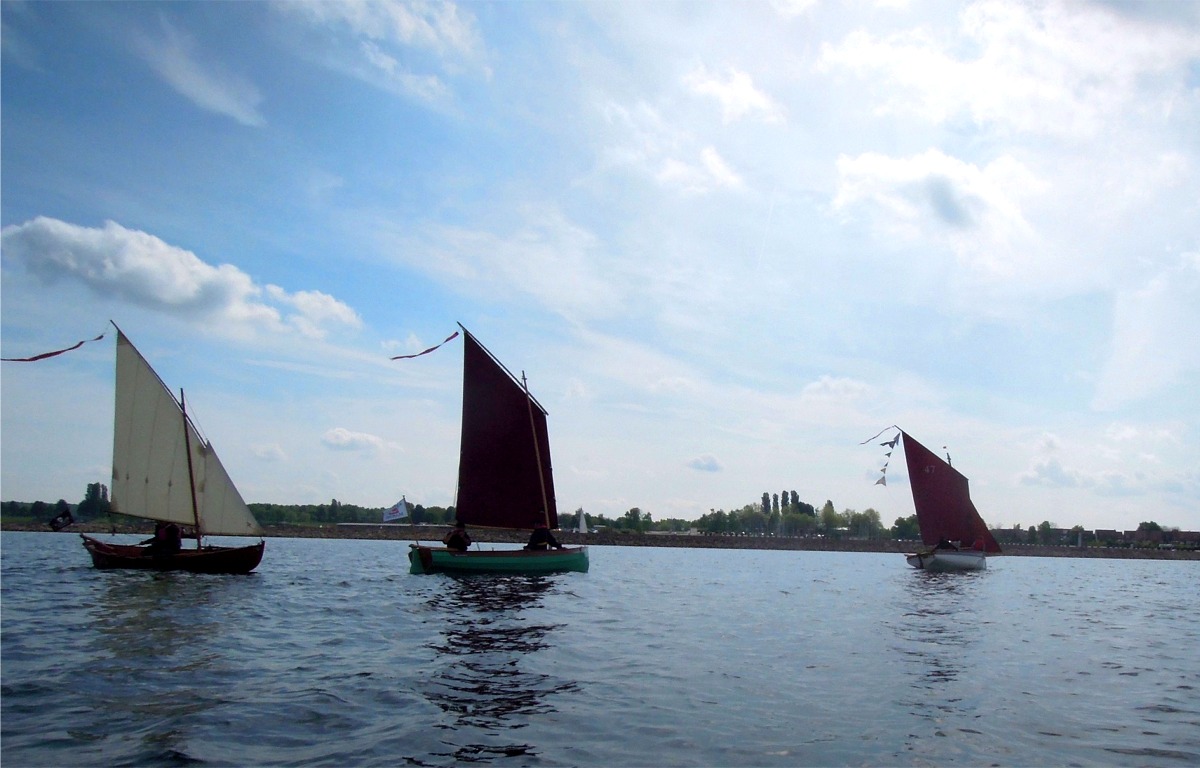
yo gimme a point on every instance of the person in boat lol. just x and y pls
(166, 540)
(541, 538)
(457, 539)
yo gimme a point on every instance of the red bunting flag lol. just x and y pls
(427, 351)
(55, 353)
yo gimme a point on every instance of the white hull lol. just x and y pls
(949, 560)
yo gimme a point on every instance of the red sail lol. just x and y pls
(499, 482)
(943, 501)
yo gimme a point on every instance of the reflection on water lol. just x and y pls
(939, 625)
(489, 680)
(152, 635)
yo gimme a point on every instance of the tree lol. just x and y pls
(1149, 527)
(774, 505)
(766, 503)
(95, 502)
(906, 528)
(633, 520)
(830, 519)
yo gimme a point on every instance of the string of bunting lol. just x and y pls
(55, 353)
(891, 446)
(427, 351)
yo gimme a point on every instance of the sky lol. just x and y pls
(728, 243)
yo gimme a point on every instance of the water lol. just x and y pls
(332, 654)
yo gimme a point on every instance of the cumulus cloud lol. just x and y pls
(736, 93)
(137, 267)
(269, 452)
(1053, 69)
(207, 84)
(711, 172)
(705, 463)
(975, 210)
(342, 439)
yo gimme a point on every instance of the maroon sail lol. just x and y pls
(504, 439)
(943, 501)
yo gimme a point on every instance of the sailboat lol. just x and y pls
(505, 479)
(955, 536)
(581, 524)
(164, 471)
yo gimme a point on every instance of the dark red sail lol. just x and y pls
(504, 436)
(943, 501)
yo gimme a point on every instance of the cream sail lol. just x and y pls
(150, 458)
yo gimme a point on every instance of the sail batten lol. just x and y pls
(150, 457)
(942, 499)
(504, 437)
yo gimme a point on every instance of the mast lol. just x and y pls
(187, 445)
(537, 453)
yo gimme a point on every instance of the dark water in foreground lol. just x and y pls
(332, 654)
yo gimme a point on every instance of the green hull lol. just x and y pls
(440, 560)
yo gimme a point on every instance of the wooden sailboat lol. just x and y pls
(505, 478)
(164, 471)
(955, 536)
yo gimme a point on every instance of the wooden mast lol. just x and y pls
(537, 453)
(187, 445)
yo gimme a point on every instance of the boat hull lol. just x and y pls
(232, 560)
(441, 560)
(942, 560)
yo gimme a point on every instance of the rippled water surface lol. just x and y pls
(333, 654)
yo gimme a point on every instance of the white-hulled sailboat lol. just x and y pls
(955, 536)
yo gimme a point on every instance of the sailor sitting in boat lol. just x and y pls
(457, 539)
(165, 541)
(541, 538)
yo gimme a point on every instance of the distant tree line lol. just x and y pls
(775, 514)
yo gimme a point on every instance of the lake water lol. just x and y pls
(333, 654)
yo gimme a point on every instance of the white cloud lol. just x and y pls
(710, 173)
(135, 266)
(314, 311)
(342, 439)
(705, 463)
(545, 255)
(736, 93)
(395, 46)
(976, 211)
(1054, 69)
(393, 77)
(269, 452)
(206, 84)
(1154, 336)
(438, 26)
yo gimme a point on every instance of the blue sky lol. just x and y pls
(727, 243)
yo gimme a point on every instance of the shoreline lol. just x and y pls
(394, 532)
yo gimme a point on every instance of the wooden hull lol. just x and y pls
(441, 560)
(943, 560)
(237, 560)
